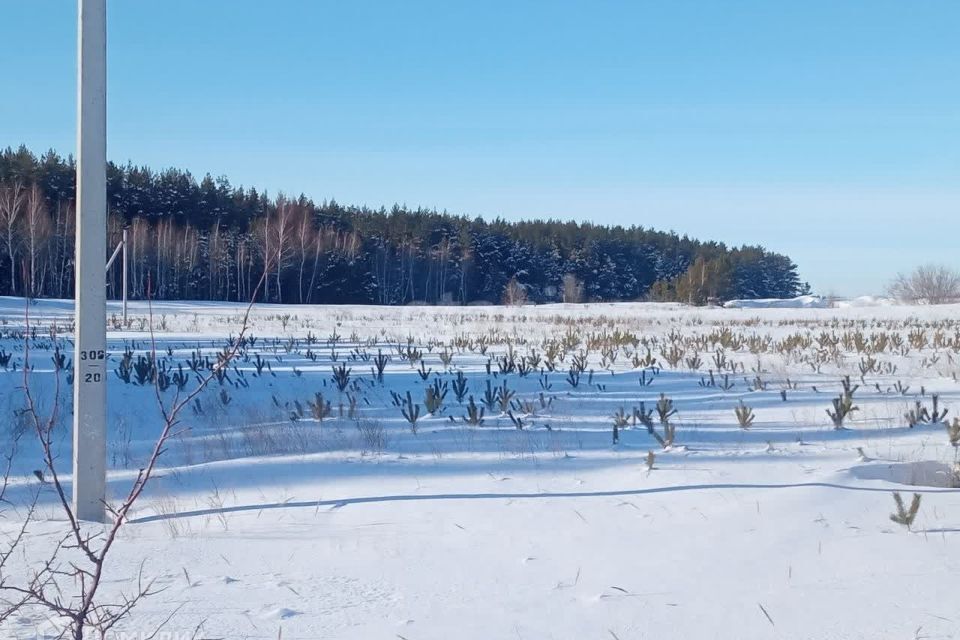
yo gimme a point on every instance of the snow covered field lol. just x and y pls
(278, 516)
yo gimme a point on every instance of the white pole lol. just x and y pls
(124, 277)
(89, 387)
(113, 257)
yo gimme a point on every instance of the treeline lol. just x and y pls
(210, 240)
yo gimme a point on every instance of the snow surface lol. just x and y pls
(810, 302)
(865, 301)
(801, 302)
(263, 527)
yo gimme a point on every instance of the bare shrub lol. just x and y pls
(372, 435)
(168, 506)
(514, 294)
(67, 583)
(572, 288)
(927, 284)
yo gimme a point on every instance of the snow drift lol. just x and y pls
(801, 302)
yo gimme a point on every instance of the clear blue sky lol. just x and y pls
(828, 130)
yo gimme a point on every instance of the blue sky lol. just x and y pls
(826, 130)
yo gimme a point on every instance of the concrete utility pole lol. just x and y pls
(90, 364)
(125, 269)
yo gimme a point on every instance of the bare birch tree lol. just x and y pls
(38, 230)
(11, 208)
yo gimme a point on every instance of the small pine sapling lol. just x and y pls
(410, 412)
(489, 397)
(665, 408)
(712, 382)
(665, 411)
(905, 516)
(848, 388)
(727, 384)
(953, 434)
(645, 381)
(936, 415)
(379, 365)
(579, 362)
(474, 415)
(620, 420)
(319, 408)
(144, 370)
(446, 357)
(533, 360)
(673, 355)
(180, 379)
(720, 360)
(460, 388)
(423, 371)
(644, 415)
(843, 407)
(434, 396)
(524, 406)
(504, 396)
(545, 402)
(921, 415)
(125, 369)
(917, 415)
(647, 362)
(163, 377)
(545, 383)
(745, 415)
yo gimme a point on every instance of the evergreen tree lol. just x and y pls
(208, 239)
